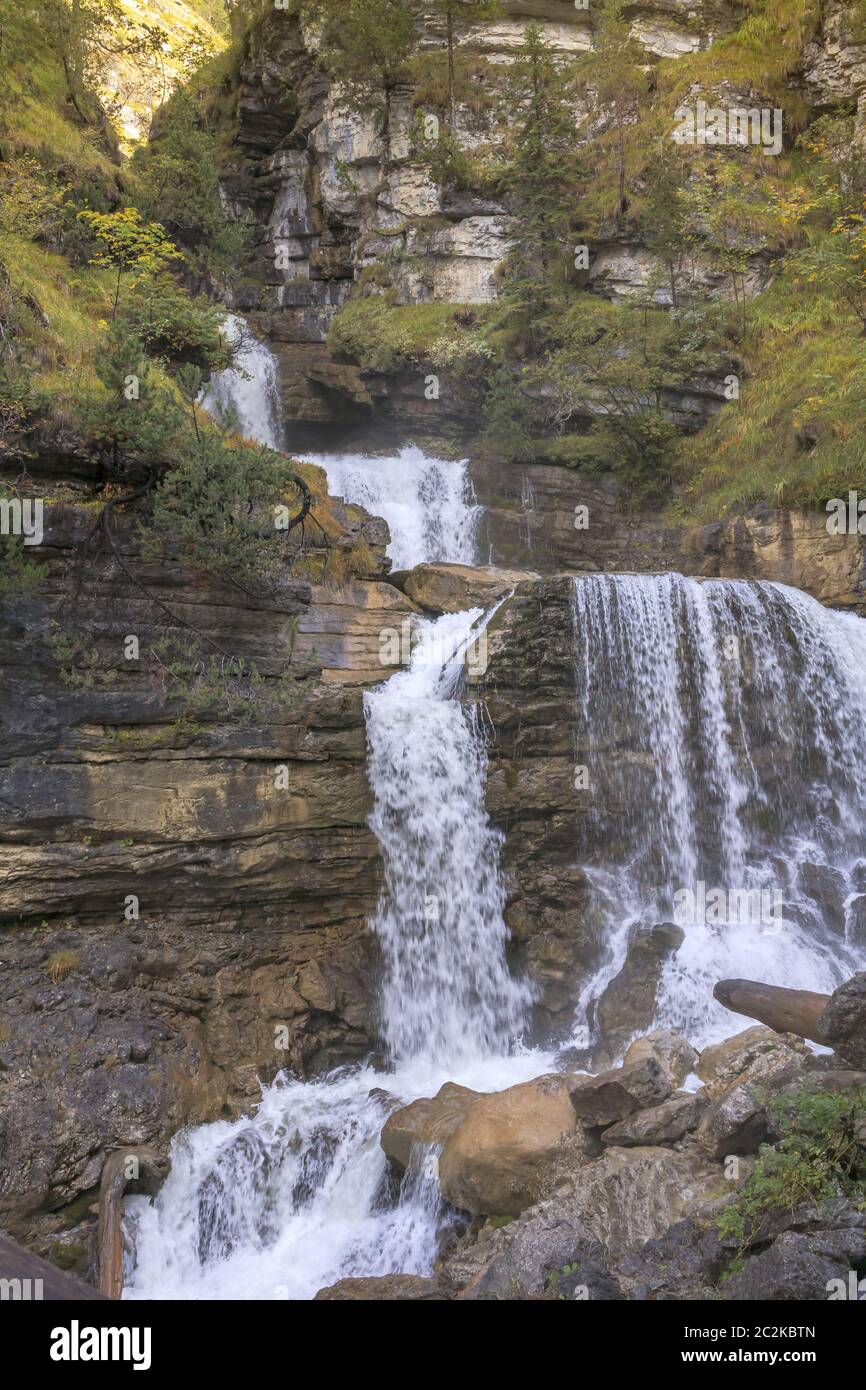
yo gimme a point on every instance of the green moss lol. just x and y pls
(380, 335)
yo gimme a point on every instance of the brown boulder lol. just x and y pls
(495, 1160)
(676, 1057)
(430, 1120)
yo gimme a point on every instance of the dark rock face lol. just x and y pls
(682, 1264)
(813, 1259)
(843, 1021)
(628, 1005)
(164, 936)
(529, 697)
(612, 1095)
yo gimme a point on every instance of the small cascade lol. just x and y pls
(246, 397)
(447, 993)
(285, 1203)
(721, 724)
(427, 502)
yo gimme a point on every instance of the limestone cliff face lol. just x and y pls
(332, 197)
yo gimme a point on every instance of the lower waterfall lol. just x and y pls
(284, 1203)
(721, 724)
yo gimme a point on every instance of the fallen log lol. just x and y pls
(785, 1010)
(143, 1169)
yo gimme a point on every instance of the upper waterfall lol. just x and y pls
(427, 502)
(247, 395)
(721, 723)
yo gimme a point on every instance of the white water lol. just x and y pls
(741, 770)
(722, 724)
(282, 1204)
(427, 502)
(247, 397)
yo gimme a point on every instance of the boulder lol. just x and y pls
(682, 1264)
(495, 1158)
(386, 1288)
(450, 588)
(426, 1121)
(631, 1195)
(676, 1057)
(628, 1004)
(722, 1063)
(610, 1096)
(843, 1022)
(798, 1267)
(736, 1120)
(518, 1260)
(663, 1124)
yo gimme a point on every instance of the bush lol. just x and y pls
(821, 1155)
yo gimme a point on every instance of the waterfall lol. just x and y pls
(284, 1203)
(247, 396)
(427, 502)
(721, 724)
(447, 993)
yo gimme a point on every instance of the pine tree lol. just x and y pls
(611, 81)
(541, 178)
(453, 13)
(365, 44)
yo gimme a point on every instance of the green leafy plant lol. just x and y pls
(821, 1155)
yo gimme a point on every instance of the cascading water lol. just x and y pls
(722, 726)
(447, 994)
(427, 502)
(287, 1202)
(247, 396)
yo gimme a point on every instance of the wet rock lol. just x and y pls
(856, 922)
(628, 1004)
(828, 888)
(676, 1057)
(430, 1120)
(449, 588)
(495, 1160)
(612, 1095)
(663, 1124)
(843, 1021)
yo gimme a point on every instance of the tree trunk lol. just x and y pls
(785, 1010)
